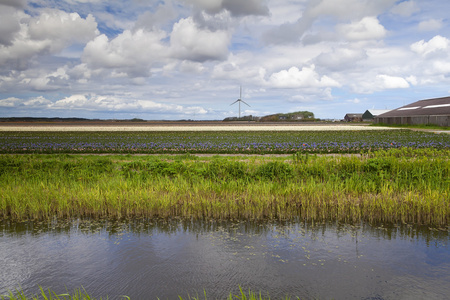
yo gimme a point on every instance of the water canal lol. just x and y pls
(146, 259)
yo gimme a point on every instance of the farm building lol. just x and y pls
(370, 114)
(353, 117)
(431, 111)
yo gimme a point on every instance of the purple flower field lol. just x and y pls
(282, 142)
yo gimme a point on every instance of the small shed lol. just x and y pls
(353, 117)
(370, 114)
(431, 111)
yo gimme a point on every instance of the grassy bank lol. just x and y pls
(81, 294)
(422, 126)
(397, 185)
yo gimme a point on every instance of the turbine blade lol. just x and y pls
(245, 103)
(235, 102)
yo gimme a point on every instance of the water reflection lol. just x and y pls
(146, 258)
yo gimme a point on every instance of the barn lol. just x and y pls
(353, 117)
(370, 114)
(431, 111)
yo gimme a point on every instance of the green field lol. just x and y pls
(396, 185)
(215, 142)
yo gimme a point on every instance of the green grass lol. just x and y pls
(81, 294)
(423, 126)
(78, 294)
(397, 185)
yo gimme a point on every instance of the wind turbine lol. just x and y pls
(240, 100)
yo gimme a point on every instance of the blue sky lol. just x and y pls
(186, 59)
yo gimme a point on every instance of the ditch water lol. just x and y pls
(146, 259)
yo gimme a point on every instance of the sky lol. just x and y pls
(187, 59)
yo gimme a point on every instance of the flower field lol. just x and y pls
(218, 142)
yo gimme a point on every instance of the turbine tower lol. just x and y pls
(239, 101)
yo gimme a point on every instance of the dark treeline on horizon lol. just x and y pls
(58, 119)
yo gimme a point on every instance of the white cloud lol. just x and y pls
(405, 8)
(62, 28)
(235, 7)
(368, 28)
(131, 53)
(149, 19)
(48, 33)
(348, 9)
(14, 3)
(72, 102)
(430, 25)
(441, 67)
(306, 77)
(392, 82)
(189, 42)
(40, 102)
(116, 104)
(341, 58)
(191, 67)
(412, 80)
(9, 25)
(11, 102)
(354, 101)
(437, 43)
(344, 10)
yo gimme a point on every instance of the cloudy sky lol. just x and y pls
(185, 59)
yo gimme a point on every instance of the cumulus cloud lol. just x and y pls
(72, 102)
(11, 102)
(38, 102)
(9, 25)
(341, 58)
(243, 67)
(131, 53)
(369, 28)
(304, 78)
(93, 102)
(191, 67)
(436, 44)
(344, 10)
(189, 42)
(235, 7)
(430, 25)
(244, 8)
(149, 19)
(14, 3)
(48, 33)
(392, 82)
(348, 9)
(405, 8)
(62, 28)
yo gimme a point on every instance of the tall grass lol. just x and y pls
(78, 294)
(81, 294)
(397, 185)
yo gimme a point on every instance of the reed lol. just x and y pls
(81, 294)
(78, 294)
(381, 186)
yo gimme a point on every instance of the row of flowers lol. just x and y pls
(326, 147)
(207, 142)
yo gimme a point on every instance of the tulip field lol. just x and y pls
(218, 142)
